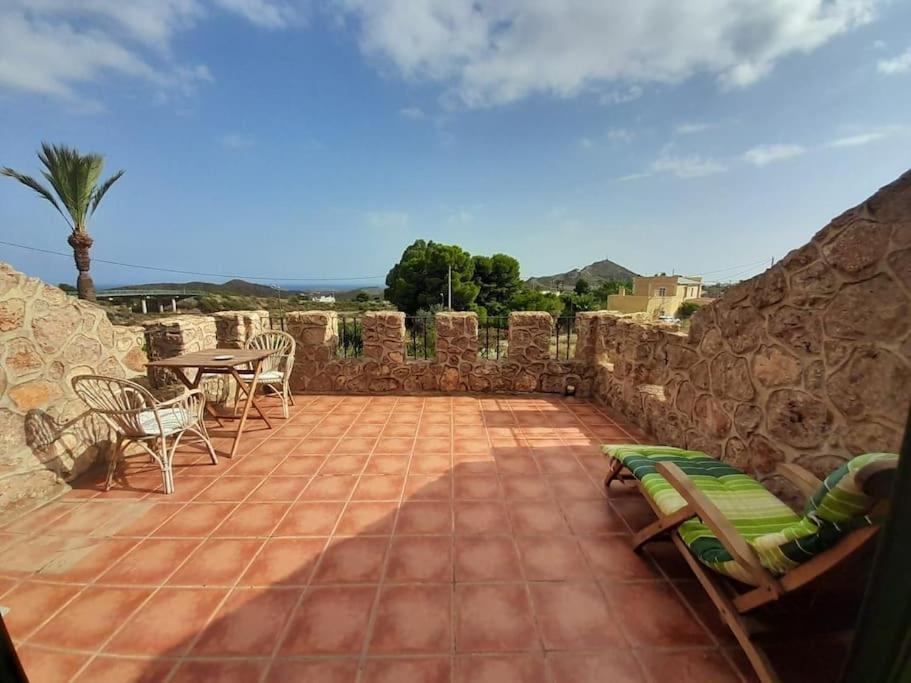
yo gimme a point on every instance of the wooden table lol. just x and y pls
(206, 364)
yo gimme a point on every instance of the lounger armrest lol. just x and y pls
(711, 516)
(804, 480)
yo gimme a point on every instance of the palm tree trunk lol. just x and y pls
(81, 243)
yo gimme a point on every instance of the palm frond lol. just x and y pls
(28, 181)
(73, 177)
(102, 189)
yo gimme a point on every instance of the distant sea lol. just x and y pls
(298, 286)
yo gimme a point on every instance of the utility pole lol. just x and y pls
(450, 287)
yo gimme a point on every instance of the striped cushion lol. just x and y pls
(781, 538)
(173, 420)
(264, 376)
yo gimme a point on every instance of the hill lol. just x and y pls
(595, 273)
(236, 287)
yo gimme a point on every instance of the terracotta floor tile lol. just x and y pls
(552, 558)
(494, 618)
(428, 487)
(634, 510)
(150, 563)
(223, 671)
(500, 669)
(279, 489)
(367, 518)
(217, 562)
(150, 520)
(574, 616)
(537, 517)
(37, 519)
(525, 487)
(277, 445)
(363, 429)
(669, 560)
(435, 445)
(477, 487)
(252, 520)
(486, 558)
(471, 445)
(47, 666)
(321, 445)
(379, 487)
(468, 463)
(317, 671)
(248, 623)
(611, 556)
(331, 487)
(228, 489)
(413, 618)
(592, 517)
(480, 517)
(574, 487)
(620, 665)
(337, 430)
(399, 430)
(167, 623)
(387, 464)
(422, 670)
(687, 666)
(125, 670)
(196, 520)
(310, 519)
(284, 562)
(659, 619)
(93, 558)
(330, 620)
(300, 466)
(354, 445)
(394, 445)
(31, 603)
(255, 464)
(509, 465)
(352, 560)
(420, 559)
(343, 464)
(295, 431)
(418, 517)
(85, 623)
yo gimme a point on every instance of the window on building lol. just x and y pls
(662, 291)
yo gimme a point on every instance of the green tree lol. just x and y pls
(686, 310)
(419, 279)
(582, 286)
(533, 300)
(362, 296)
(76, 194)
(498, 280)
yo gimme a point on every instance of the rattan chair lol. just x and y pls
(136, 416)
(275, 371)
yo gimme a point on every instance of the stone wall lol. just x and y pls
(383, 367)
(47, 338)
(809, 362)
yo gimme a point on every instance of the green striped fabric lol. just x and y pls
(781, 538)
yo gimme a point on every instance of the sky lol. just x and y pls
(293, 140)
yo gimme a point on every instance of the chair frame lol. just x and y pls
(120, 402)
(282, 360)
(735, 604)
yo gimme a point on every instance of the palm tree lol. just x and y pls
(74, 179)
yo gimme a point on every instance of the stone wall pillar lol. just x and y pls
(383, 333)
(169, 337)
(530, 333)
(587, 336)
(456, 348)
(234, 328)
(316, 336)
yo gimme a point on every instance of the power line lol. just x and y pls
(192, 272)
(742, 265)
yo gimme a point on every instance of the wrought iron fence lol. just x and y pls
(350, 336)
(563, 344)
(493, 337)
(420, 337)
(277, 322)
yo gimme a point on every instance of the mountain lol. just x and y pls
(237, 287)
(595, 273)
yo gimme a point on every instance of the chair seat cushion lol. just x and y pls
(265, 376)
(781, 538)
(173, 419)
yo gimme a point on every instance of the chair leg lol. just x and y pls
(112, 465)
(167, 473)
(284, 396)
(612, 472)
(207, 441)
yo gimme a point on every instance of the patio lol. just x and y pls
(413, 538)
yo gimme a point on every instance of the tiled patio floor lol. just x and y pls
(368, 539)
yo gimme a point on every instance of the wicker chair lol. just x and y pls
(136, 416)
(276, 369)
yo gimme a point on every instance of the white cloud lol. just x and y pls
(264, 13)
(387, 220)
(491, 52)
(769, 154)
(620, 135)
(630, 94)
(857, 140)
(236, 141)
(692, 128)
(415, 113)
(692, 166)
(897, 65)
(56, 47)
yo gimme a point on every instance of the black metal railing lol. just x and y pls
(563, 344)
(350, 336)
(420, 337)
(277, 322)
(493, 337)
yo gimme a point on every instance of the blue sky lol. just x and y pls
(304, 140)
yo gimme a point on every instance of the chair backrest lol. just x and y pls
(118, 401)
(851, 491)
(274, 340)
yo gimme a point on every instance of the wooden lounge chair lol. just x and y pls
(746, 547)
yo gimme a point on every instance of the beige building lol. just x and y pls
(657, 296)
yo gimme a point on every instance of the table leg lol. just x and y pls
(182, 376)
(247, 403)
